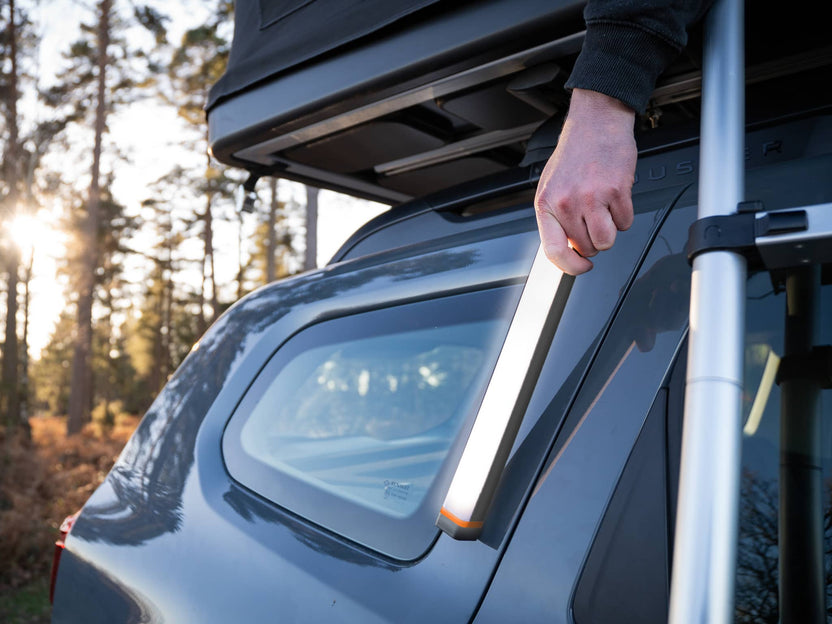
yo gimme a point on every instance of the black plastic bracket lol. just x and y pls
(815, 365)
(249, 194)
(739, 232)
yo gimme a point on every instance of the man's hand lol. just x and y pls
(585, 192)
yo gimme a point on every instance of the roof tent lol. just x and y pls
(389, 99)
(273, 36)
(393, 99)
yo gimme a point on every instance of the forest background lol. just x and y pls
(120, 243)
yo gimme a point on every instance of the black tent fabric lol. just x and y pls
(273, 35)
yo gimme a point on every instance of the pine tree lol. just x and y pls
(274, 256)
(20, 138)
(310, 260)
(9, 397)
(50, 373)
(196, 64)
(109, 365)
(104, 72)
(167, 325)
(80, 398)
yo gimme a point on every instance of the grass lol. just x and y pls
(26, 605)
(42, 481)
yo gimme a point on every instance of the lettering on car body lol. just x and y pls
(652, 172)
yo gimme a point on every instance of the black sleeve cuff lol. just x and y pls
(622, 61)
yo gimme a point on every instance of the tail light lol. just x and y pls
(66, 527)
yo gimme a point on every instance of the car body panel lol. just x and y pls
(169, 509)
(560, 521)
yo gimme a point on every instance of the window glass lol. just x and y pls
(370, 418)
(352, 420)
(787, 463)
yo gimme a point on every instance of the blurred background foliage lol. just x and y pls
(136, 275)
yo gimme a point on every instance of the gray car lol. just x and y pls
(295, 466)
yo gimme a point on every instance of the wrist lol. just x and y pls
(599, 109)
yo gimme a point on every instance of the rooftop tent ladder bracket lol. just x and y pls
(784, 239)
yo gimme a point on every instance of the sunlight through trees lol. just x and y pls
(141, 275)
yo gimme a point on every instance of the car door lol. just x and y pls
(595, 537)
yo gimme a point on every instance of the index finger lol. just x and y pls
(556, 245)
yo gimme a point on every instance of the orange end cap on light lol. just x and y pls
(459, 521)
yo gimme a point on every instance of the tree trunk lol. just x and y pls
(271, 246)
(311, 255)
(208, 247)
(158, 346)
(9, 391)
(9, 397)
(80, 398)
(241, 269)
(209, 254)
(24, 350)
(201, 322)
(207, 263)
(167, 314)
(108, 390)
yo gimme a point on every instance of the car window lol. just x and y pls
(370, 418)
(786, 485)
(355, 417)
(786, 479)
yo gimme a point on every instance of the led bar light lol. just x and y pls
(505, 400)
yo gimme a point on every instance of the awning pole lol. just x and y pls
(704, 561)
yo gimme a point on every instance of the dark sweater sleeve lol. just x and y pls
(629, 43)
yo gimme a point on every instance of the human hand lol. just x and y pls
(585, 192)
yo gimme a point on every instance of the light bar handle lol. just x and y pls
(505, 400)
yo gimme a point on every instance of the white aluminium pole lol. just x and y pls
(704, 561)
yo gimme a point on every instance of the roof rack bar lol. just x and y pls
(689, 86)
(343, 183)
(467, 147)
(704, 561)
(447, 85)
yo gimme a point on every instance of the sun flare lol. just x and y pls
(25, 232)
(41, 245)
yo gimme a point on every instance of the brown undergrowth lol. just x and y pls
(42, 481)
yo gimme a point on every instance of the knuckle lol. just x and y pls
(616, 192)
(604, 239)
(585, 248)
(588, 196)
(562, 203)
